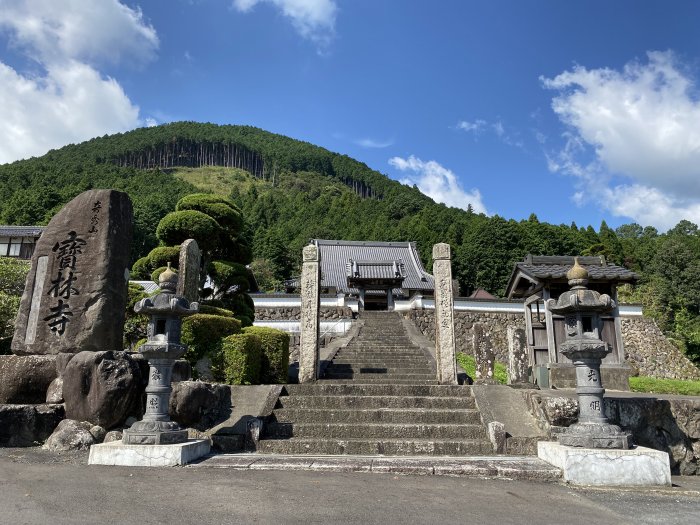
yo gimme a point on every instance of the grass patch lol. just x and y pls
(216, 179)
(653, 385)
(467, 362)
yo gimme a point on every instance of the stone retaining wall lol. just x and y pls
(293, 313)
(646, 348)
(651, 353)
(495, 324)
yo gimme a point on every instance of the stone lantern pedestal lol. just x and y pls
(593, 451)
(156, 440)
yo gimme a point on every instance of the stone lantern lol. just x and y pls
(582, 309)
(161, 350)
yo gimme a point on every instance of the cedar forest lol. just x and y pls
(291, 191)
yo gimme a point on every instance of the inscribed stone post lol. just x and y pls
(75, 296)
(188, 271)
(444, 315)
(310, 305)
(483, 355)
(517, 356)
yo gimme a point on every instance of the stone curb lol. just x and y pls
(513, 467)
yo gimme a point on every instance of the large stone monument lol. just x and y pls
(593, 451)
(444, 315)
(484, 357)
(517, 357)
(310, 306)
(75, 296)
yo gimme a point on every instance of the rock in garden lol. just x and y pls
(75, 296)
(25, 379)
(103, 388)
(74, 435)
(28, 425)
(198, 404)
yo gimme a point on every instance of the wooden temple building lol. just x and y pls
(539, 278)
(376, 273)
(19, 241)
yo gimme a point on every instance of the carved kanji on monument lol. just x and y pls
(75, 295)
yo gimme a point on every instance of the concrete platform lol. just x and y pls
(608, 467)
(506, 467)
(117, 453)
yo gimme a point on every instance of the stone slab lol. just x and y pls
(587, 466)
(117, 453)
(613, 377)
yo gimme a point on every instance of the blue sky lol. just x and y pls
(576, 111)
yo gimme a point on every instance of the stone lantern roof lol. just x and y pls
(580, 298)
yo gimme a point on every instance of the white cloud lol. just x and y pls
(92, 32)
(474, 127)
(374, 144)
(438, 183)
(71, 100)
(479, 126)
(641, 123)
(312, 19)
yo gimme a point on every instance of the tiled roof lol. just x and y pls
(554, 268)
(148, 286)
(375, 258)
(375, 269)
(21, 231)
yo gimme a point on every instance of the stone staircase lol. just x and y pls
(378, 396)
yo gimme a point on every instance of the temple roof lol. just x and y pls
(21, 231)
(357, 261)
(544, 269)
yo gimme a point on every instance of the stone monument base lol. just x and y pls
(117, 453)
(615, 467)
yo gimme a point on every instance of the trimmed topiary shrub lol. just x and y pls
(241, 359)
(157, 258)
(214, 310)
(202, 333)
(222, 210)
(178, 226)
(274, 345)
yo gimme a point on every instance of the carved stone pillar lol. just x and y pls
(517, 356)
(444, 316)
(310, 304)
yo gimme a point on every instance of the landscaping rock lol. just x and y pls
(54, 394)
(113, 435)
(103, 388)
(25, 379)
(28, 425)
(197, 404)
(74, 435)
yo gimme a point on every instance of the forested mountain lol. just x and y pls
(291, 191)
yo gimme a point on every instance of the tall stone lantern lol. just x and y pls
(582, 309)
(161, 349)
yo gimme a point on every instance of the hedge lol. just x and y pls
(241, 358)
(274, 345)
(214, 310)
(202, 333)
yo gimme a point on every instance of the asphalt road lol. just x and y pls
(38, 487)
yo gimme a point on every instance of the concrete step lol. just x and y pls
(387, 447)
(378, 415)
(367, 363)
(366, 380)
(379, 377)
(376, 369)
(375, 430)
(338, 389)
(375, 402)
(511, 467)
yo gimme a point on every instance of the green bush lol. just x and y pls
(466, 361)
(214, 310)
(157, 258)
(241, 359)
(222, 210)
(202, 333)
(13, 274)
(275, 353)
(135, 325)
(178, 226)
(229, 274)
